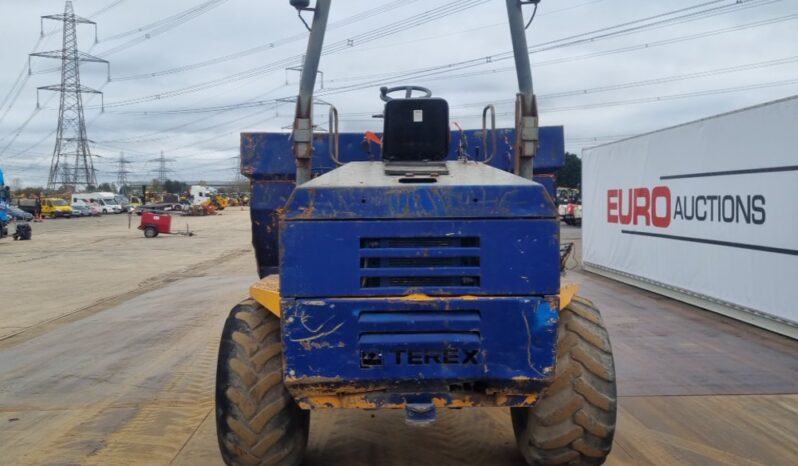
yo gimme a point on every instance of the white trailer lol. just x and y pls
(704, 212)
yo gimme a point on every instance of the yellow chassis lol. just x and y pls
(266, 293)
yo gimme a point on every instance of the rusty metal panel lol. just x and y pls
(267, 159)
(473, 345)
(362, 190)
(268, 197)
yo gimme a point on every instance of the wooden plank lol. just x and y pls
(707, 430)
(665, 347)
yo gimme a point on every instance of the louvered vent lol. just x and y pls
(420, 262)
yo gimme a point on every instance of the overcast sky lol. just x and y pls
(731, 56)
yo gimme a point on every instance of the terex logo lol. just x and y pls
(448, 356)
(657, 207)
(640, 206)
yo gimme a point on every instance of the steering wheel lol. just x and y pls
(384, 91)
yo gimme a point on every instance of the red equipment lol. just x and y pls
(155, 223)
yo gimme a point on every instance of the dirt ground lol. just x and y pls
(108, 350)
(76, 267)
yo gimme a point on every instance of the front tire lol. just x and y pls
(574, 420)
(257, 420)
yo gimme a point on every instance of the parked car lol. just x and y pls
(18, 214)
(81, 211)
(95, 209)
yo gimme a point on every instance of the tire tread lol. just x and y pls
(574, 420)
(258, 422)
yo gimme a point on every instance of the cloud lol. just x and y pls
(196, 141)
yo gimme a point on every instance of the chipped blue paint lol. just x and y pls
(324, 342)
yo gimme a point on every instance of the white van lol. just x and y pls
(105, 202)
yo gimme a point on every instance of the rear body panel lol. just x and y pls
(416, 349)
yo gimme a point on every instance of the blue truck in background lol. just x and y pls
(23, 229)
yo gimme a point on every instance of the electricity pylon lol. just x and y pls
(71, 141)
(162, 171)
(122, 172)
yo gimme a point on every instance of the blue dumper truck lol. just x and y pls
(414, 269)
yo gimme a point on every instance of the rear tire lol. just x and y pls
(257, 420)
(150, 232)
(574, 420)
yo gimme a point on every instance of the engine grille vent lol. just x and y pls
(418, 262)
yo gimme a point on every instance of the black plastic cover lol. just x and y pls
(416, 130)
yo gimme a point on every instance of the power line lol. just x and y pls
(661, 98)
(165, 25)
(150, 138)
(664, 98)
(602, 105)
(624, 85)
(269, 46)
(201, 8)
(106, 8)
(36, 110)
(446, 69)
(546, 109)
(384, 31)
(573, 58)
(161, 27)
(630, 85)
(462, 31)
(448, 9)
(591, 36)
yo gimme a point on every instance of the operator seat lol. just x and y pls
(415, 133)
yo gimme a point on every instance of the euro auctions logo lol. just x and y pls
(658, 207)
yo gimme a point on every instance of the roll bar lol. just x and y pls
(526, 116)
